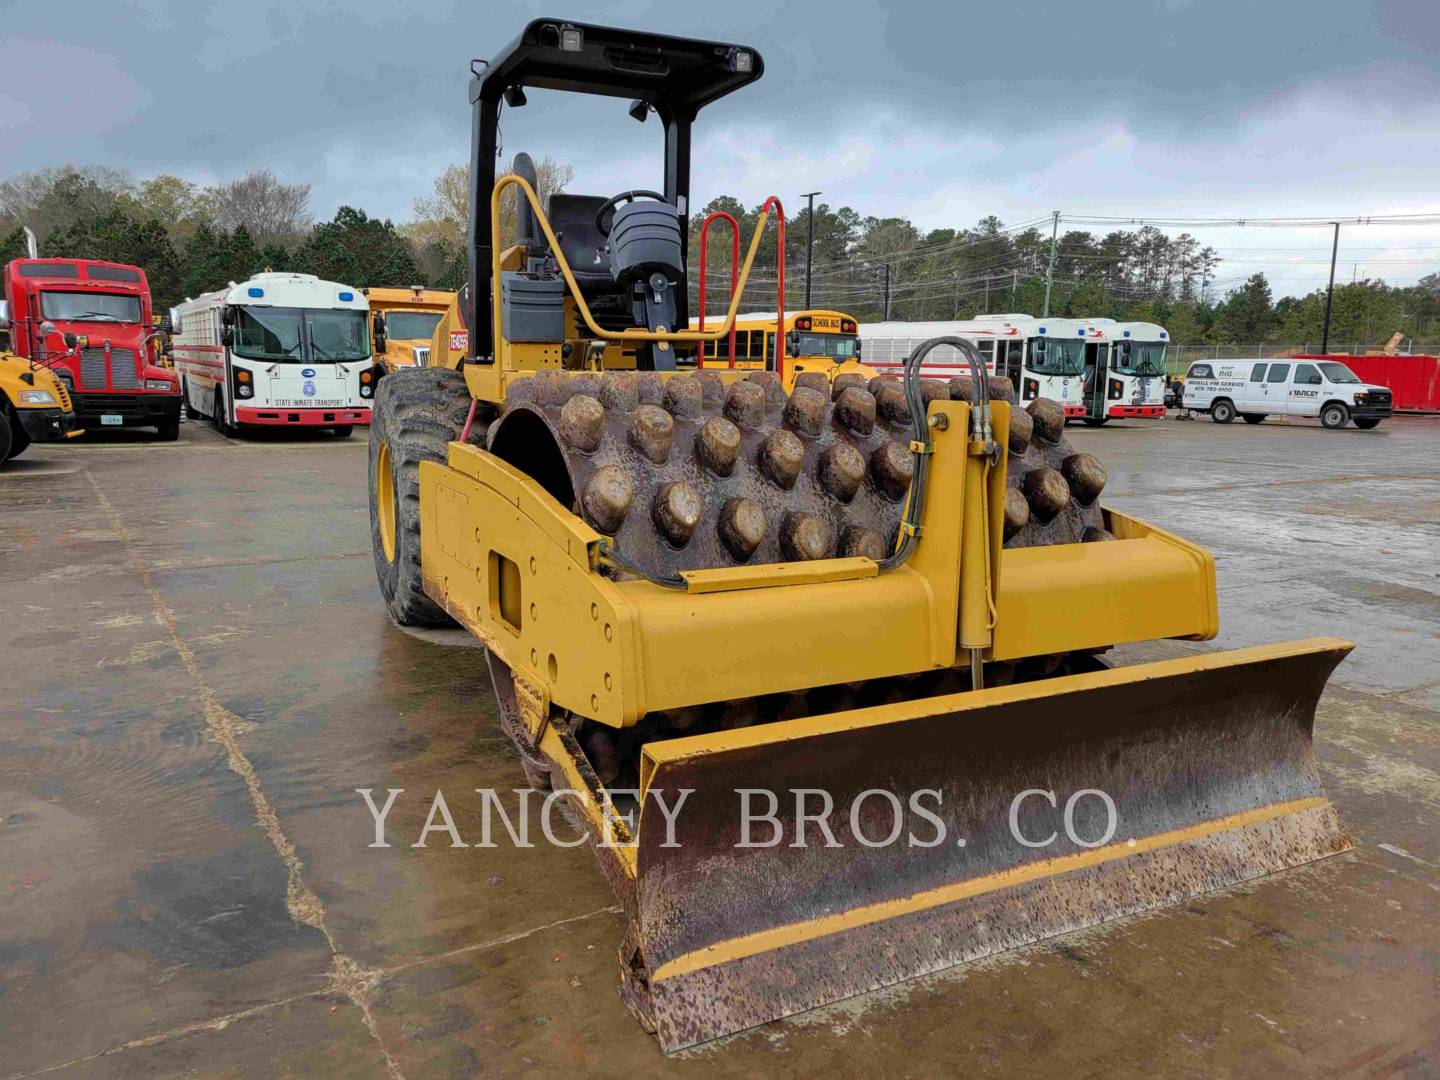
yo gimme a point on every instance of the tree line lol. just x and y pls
(191, 239)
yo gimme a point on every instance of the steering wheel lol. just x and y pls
(605, 215)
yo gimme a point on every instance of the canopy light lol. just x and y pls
(515, 96)
(742, 61)
(255, 292)
(347, 296)
(571, 39)
(639, 109)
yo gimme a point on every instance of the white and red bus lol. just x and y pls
(277, 350)
(1097, 369)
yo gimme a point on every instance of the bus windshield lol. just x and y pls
(337, 334)
(267, 333)
(1144, 358)
(411, 325)
(1339, 373)
(838, 346)
(1057, 356)
(89, 307)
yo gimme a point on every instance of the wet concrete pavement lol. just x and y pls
(195, 677)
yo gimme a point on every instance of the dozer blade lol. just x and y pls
(1207, 761)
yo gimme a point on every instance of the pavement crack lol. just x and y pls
(223, 727)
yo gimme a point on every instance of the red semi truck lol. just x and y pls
(117, 379)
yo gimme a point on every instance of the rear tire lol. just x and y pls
(1334, 416)
(417, 413)
(1222, 412)
(8, 426)
(1367, 423)
(169, 430)
(342, 431)
(1096, 421)
(1253, 417)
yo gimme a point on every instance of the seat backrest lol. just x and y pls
(573, 218)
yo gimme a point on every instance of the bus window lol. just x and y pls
(837, 346)
(987, 350)
(769, 346)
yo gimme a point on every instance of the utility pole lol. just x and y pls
(1050, 268)
(809, 242)
(887, 292)
(987, 294)
(1330, 290)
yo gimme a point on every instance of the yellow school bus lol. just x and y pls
(814, 340)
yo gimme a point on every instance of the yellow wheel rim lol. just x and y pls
(385, 502)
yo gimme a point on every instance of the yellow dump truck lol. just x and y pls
(404, 321)
(821, 673)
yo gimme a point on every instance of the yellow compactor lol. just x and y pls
(858, 628)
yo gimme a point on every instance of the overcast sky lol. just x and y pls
(939, 112)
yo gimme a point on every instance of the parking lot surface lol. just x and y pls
(196, 676)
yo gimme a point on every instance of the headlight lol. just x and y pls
(244, 390)
(37, 397)
(159, 384)
(1359, 397)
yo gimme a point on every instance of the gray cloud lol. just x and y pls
(939, 111)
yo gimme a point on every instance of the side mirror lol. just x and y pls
(4, 315)
(71, 340)
(857, 347)
(792, 343)
(227, 315)
(227, 335)
(377, 331)
(47, 328)
(1039, 347)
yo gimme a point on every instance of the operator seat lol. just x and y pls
(573, 219)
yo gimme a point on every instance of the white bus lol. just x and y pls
(1132, 383)
(279, 349)
(1047, 357)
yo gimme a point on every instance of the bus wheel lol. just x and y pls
(1367, 423)
(1222, 412)
(8, 427)
(217, 413)
(342, 431)
(1096, 421)
(1334, 416)
(1253, 417)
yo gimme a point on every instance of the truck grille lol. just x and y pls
(63, 392)
(123, 373)
(422, 355)
(92, 368)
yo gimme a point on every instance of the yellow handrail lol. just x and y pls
(633, 333)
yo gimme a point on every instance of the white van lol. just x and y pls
(1255, 389)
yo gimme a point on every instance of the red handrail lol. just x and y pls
(734, 279)
(734, 275)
